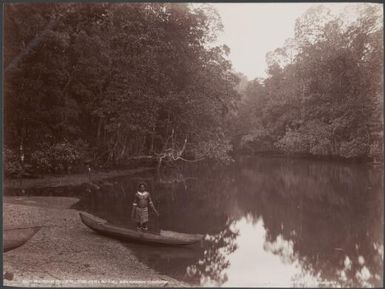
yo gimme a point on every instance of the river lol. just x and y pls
(268, 221)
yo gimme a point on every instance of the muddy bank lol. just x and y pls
(66, 253)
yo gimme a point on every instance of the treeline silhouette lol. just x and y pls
(111, 83)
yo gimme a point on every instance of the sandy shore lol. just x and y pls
(64, 253)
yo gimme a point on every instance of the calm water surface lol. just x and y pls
(268, 222)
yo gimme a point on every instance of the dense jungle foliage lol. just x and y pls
(324, 92)
(110, 83)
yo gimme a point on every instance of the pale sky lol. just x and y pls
(253, 29)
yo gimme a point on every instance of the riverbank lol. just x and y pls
(65, 253)
(68, 180)
(311, 157)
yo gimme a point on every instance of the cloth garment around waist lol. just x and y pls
(141, 215)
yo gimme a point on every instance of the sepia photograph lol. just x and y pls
(159, 144)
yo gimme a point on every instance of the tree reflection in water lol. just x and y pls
(331, 213)
(324, 218)
(210, 268)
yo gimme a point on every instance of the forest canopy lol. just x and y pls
(109, 83)
(324, 92)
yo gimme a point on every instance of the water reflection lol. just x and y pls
(211, 269)
(254, 262)
(269, 221)
(249, 259)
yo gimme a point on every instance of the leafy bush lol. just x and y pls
(58, 157)
(259, 139)
(216, 150)
(313, 137)
(376, 151)
(354, 148)
(293, 142)
(12, 163)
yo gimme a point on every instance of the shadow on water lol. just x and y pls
(268, 222)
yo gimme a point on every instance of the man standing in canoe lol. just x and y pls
(140, 208)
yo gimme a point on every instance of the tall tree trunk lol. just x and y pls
(152, 140)
(98, 134)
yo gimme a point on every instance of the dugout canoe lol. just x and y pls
(16, 237)
(163, 238)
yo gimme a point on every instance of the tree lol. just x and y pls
(118, 81)
(321, 96)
